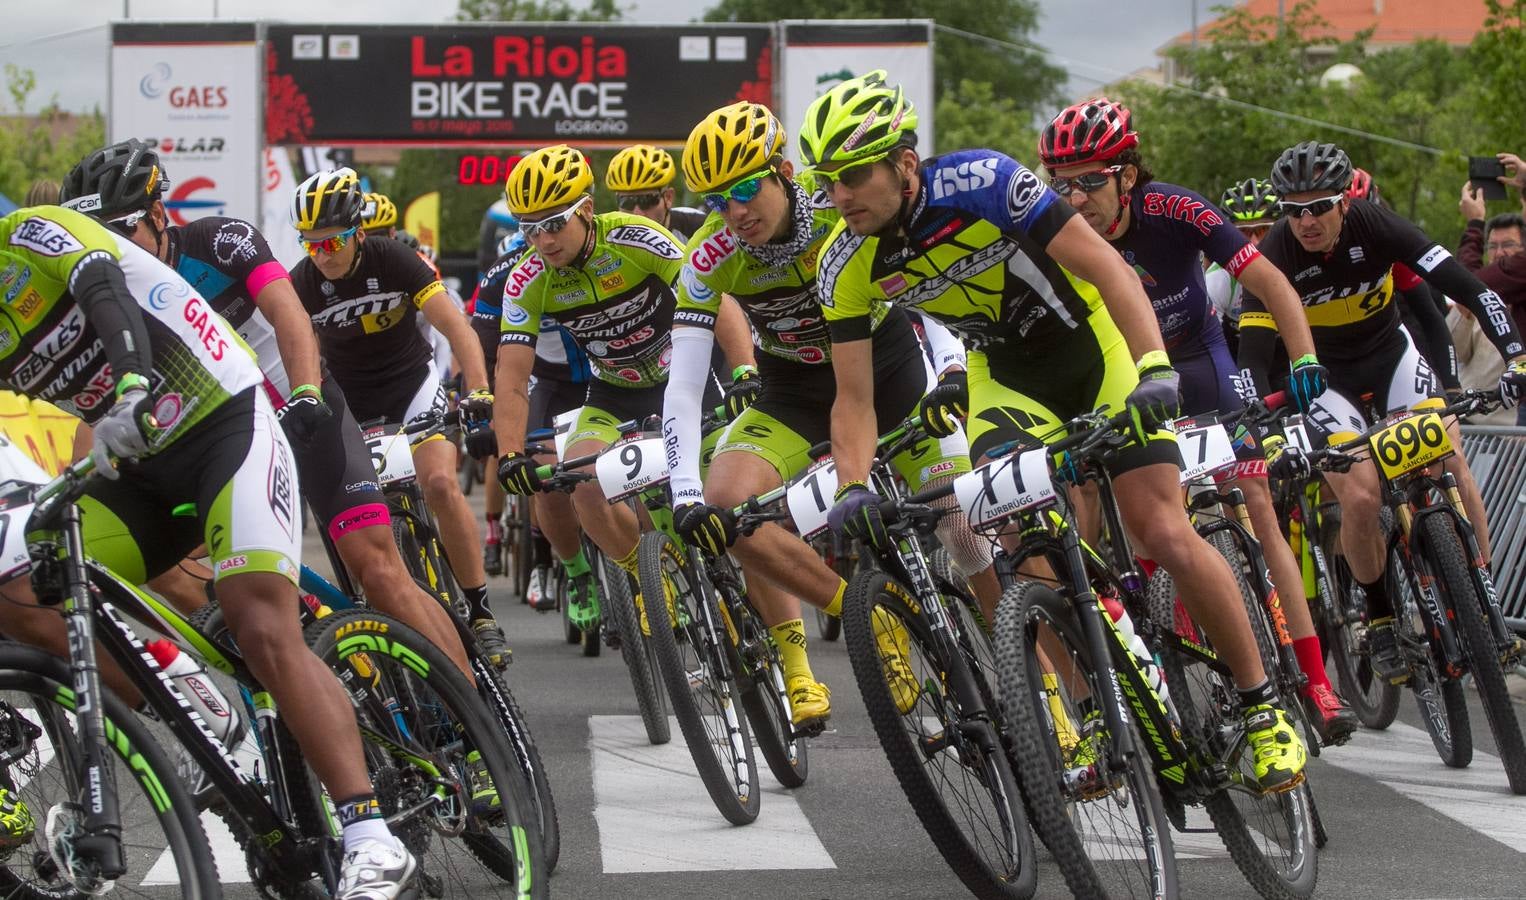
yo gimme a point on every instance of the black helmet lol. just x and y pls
(122, 178)
(1311, 166)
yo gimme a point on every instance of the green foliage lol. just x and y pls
(29, 149)
(1029, 81)
(1425, 93)
(537, 11)
(971, 115)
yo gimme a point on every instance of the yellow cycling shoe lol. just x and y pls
(1280, 753)
(669, 594)
(16, 823)
(895, 646)
(810, 701)
(1064, 727)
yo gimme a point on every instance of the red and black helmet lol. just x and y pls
(1362, 186)
(1094, 130)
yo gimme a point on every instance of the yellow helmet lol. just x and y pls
(328, 200)
(550, 176)
(379, 212)
(640, 168)
(858, 118)
(731, 143)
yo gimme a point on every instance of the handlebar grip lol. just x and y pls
(820, 449)
(545, 473)
(1276, 400)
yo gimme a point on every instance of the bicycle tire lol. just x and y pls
(731, 783)
(1441, 700)
(466, 472)
(160, 796)
(765, 699)
(1054, 808)
(1445, 546)
(524, 550)
(500, 701)
(592, 637)
(637, 652)
(1199, 699)
(1018, 878)
(1373, 699)
(375, 656)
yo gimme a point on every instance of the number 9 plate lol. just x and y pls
(1410, 444)
(630, 467)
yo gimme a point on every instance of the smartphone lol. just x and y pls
(1483, 172)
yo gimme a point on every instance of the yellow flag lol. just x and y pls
(422, 219)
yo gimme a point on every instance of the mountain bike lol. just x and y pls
(1447, 619)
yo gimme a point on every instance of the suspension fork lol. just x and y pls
(1504, 636)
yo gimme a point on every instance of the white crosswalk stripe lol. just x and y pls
(231, 865)
(654, 815)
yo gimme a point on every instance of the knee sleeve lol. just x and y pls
(968, 552)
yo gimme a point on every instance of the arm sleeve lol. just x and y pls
(681, 412)
(100, 289)
(1432, 337)
(1448, 276)
(1258, 343)
(945, 349)
(1470, 248)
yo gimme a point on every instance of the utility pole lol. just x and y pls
(1194, 23)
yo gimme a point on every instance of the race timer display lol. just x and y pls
(479, 168)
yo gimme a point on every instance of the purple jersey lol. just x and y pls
(1168, 226)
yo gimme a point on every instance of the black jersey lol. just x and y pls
(684, 222)
(367, 321)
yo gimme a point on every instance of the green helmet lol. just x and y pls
(861, 117)
(1251, 201)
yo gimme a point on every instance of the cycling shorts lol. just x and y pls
(235, 468)
(337, 474)
(607, 406)
(794, 412)
(550, 397)
(1397, 377)
(1029, 401)
(404, 403)
(1208, 386)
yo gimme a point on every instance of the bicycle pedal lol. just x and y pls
(810, 729)
(1297, 782)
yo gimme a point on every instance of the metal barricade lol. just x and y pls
(1497, 456)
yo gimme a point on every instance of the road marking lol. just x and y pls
(232, 868)
(1403, 758)
(654, 815)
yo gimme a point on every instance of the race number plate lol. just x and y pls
(997, 490)
(1410, 444)
(630, 467)
(809, 498)
(1205, 449)
(1297, 433)
(563, 424)
(390, 453)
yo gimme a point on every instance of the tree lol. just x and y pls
(537, 11)
(1028, 82)
(971, 115)
(46, 145)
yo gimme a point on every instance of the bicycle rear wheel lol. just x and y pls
(693, 666)
(636, 651)
(506, 711)
(1456, 583)
(162, 839)
(953, 770)
(1440, 698)
(765, 699)
(420, 723)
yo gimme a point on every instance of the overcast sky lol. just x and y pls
(1089, 38)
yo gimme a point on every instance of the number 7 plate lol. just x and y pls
(1205, 449)
(1410, 444)
(630, 467)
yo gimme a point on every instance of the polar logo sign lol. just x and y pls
(45, 237)
(971, 175)
(168, 293)
(647, 239)
(184, 200)
(171, 145)
(152, 84)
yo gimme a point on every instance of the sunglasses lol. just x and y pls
(1257, 230)
(331, 244)
(550, 224)
(638, 201)
(1314, 208)
(126, 225)
(853, 176)
(744, 191)
(1087, 183)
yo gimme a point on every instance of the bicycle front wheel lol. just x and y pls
(439, 763)
(636, 650)
(162, 838)
(1109, 836)
(693, 665)
(953, 769)
(1373, 699)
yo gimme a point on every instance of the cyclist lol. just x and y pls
(484, 317)
(641, 177)
(1252, 208)
(760, 246)
(379, 215)
(1093, 159)
(1339, 255)
(107, 333)
(608, 279)
(559, 381)
(363, 297)
(230, 264)
(976, 240)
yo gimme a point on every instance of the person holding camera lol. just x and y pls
(1499, 242)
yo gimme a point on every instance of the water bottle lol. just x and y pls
(202, 693)
(1136, 646)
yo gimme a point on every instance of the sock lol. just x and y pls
(1311, 659)
(362, 820)
(577, 565)
(628, 562)
(835, 607)
(494, 533)
(476, 602)
(540, 548)
(789, 637)
(1378, 606)
(1262, 693)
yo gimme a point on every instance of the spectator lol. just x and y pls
(1479, 364)
(1505, 273)
(42, 193)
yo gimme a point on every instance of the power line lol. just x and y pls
(1068, 65)
(55, 36)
